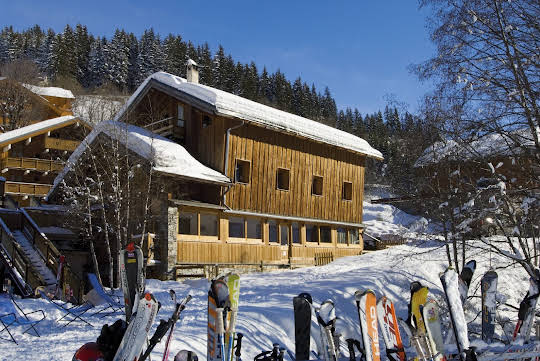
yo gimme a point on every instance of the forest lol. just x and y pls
(77, 60)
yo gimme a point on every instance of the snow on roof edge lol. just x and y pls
(50, 91)
(168, 157)
(230, 105)
(34, 128)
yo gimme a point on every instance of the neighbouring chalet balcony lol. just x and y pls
(161, 127)
(35, 164)
(27, 189)
(60, 144)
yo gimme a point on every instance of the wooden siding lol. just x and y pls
(61, 144)
(44, 165)
(27, 188)
(267, 151)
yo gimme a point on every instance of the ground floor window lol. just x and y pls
(254, 228)
(198, 224)
(246, 228)
(325, 234)
(295, 232)
(284, 234)
(348, 236)
(272, 231)
(237, 227)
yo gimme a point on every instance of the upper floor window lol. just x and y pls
(282, 181)
(347, 191)
(180, 116)
(242, 172)
(317, 185)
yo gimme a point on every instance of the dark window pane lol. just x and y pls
(326, 235)
(295, 233)
(187, 223)
(209, 224)
(236, 227)
(284, 234)
(312, 233)
(272, 231)
(342, 235)
(254, 229)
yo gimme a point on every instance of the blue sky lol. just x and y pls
(359, 49)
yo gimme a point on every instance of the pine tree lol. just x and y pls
(206, 75)
(117, 59)
(175, 55)
(43, 54)
(96, 63)
(82, 52)
(151, 57)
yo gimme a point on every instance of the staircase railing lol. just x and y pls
(50, 254)
(18, 259)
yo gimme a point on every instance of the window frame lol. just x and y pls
(313, 179)
(245, 161)
(245, 239)
(344, 193)
(288, 179)
(277, 241)
(198, 236)
(287, 226)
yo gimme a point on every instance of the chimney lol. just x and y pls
(192, 72)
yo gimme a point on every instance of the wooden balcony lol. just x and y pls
(61, 144)
(27, 189)
(42, 165)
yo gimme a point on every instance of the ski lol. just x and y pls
(137, 331)
(366, 304)
(526, 312)
(415, 320)
(131, 261)
(326, 317)
(449, 280)
(389, 326)
(465, 278)
(218, 297)
(430, 315)
(302, 326)
(233, 283)
(489, 305)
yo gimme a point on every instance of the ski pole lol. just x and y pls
(238, 346)
(174, 318)
(230, 334)
(281, 354)
(350, 345)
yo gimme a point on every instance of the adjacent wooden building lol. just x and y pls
(292, 188)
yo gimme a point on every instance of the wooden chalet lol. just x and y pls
(32, 156)
(40, 103)
(289, 189)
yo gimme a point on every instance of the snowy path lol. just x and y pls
(37, 262)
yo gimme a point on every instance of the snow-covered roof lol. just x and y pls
(229, 105)
(96, 108)
(36, 129)
(489, 145)
(167, 156)
(50, 91)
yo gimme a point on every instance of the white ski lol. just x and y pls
(137, 332)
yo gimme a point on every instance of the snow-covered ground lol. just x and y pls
(266, 313)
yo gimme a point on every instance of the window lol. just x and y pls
(353, 236)
(242, 171)
(187, 223)
(317, 186)
(295, 227)
(326, 234)
(347, 191)
(342, 235)
(312, 233)
(180, 117)
(206, 121)
(209, 224)
(282, 181)
(237, 227)
(284, 234)
(272, 231)
(254, 228)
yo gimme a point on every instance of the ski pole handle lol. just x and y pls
(237, 353)
(281, 353)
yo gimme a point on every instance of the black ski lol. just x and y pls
(302, 325)
(489, 305)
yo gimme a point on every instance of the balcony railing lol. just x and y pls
(43, 165)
